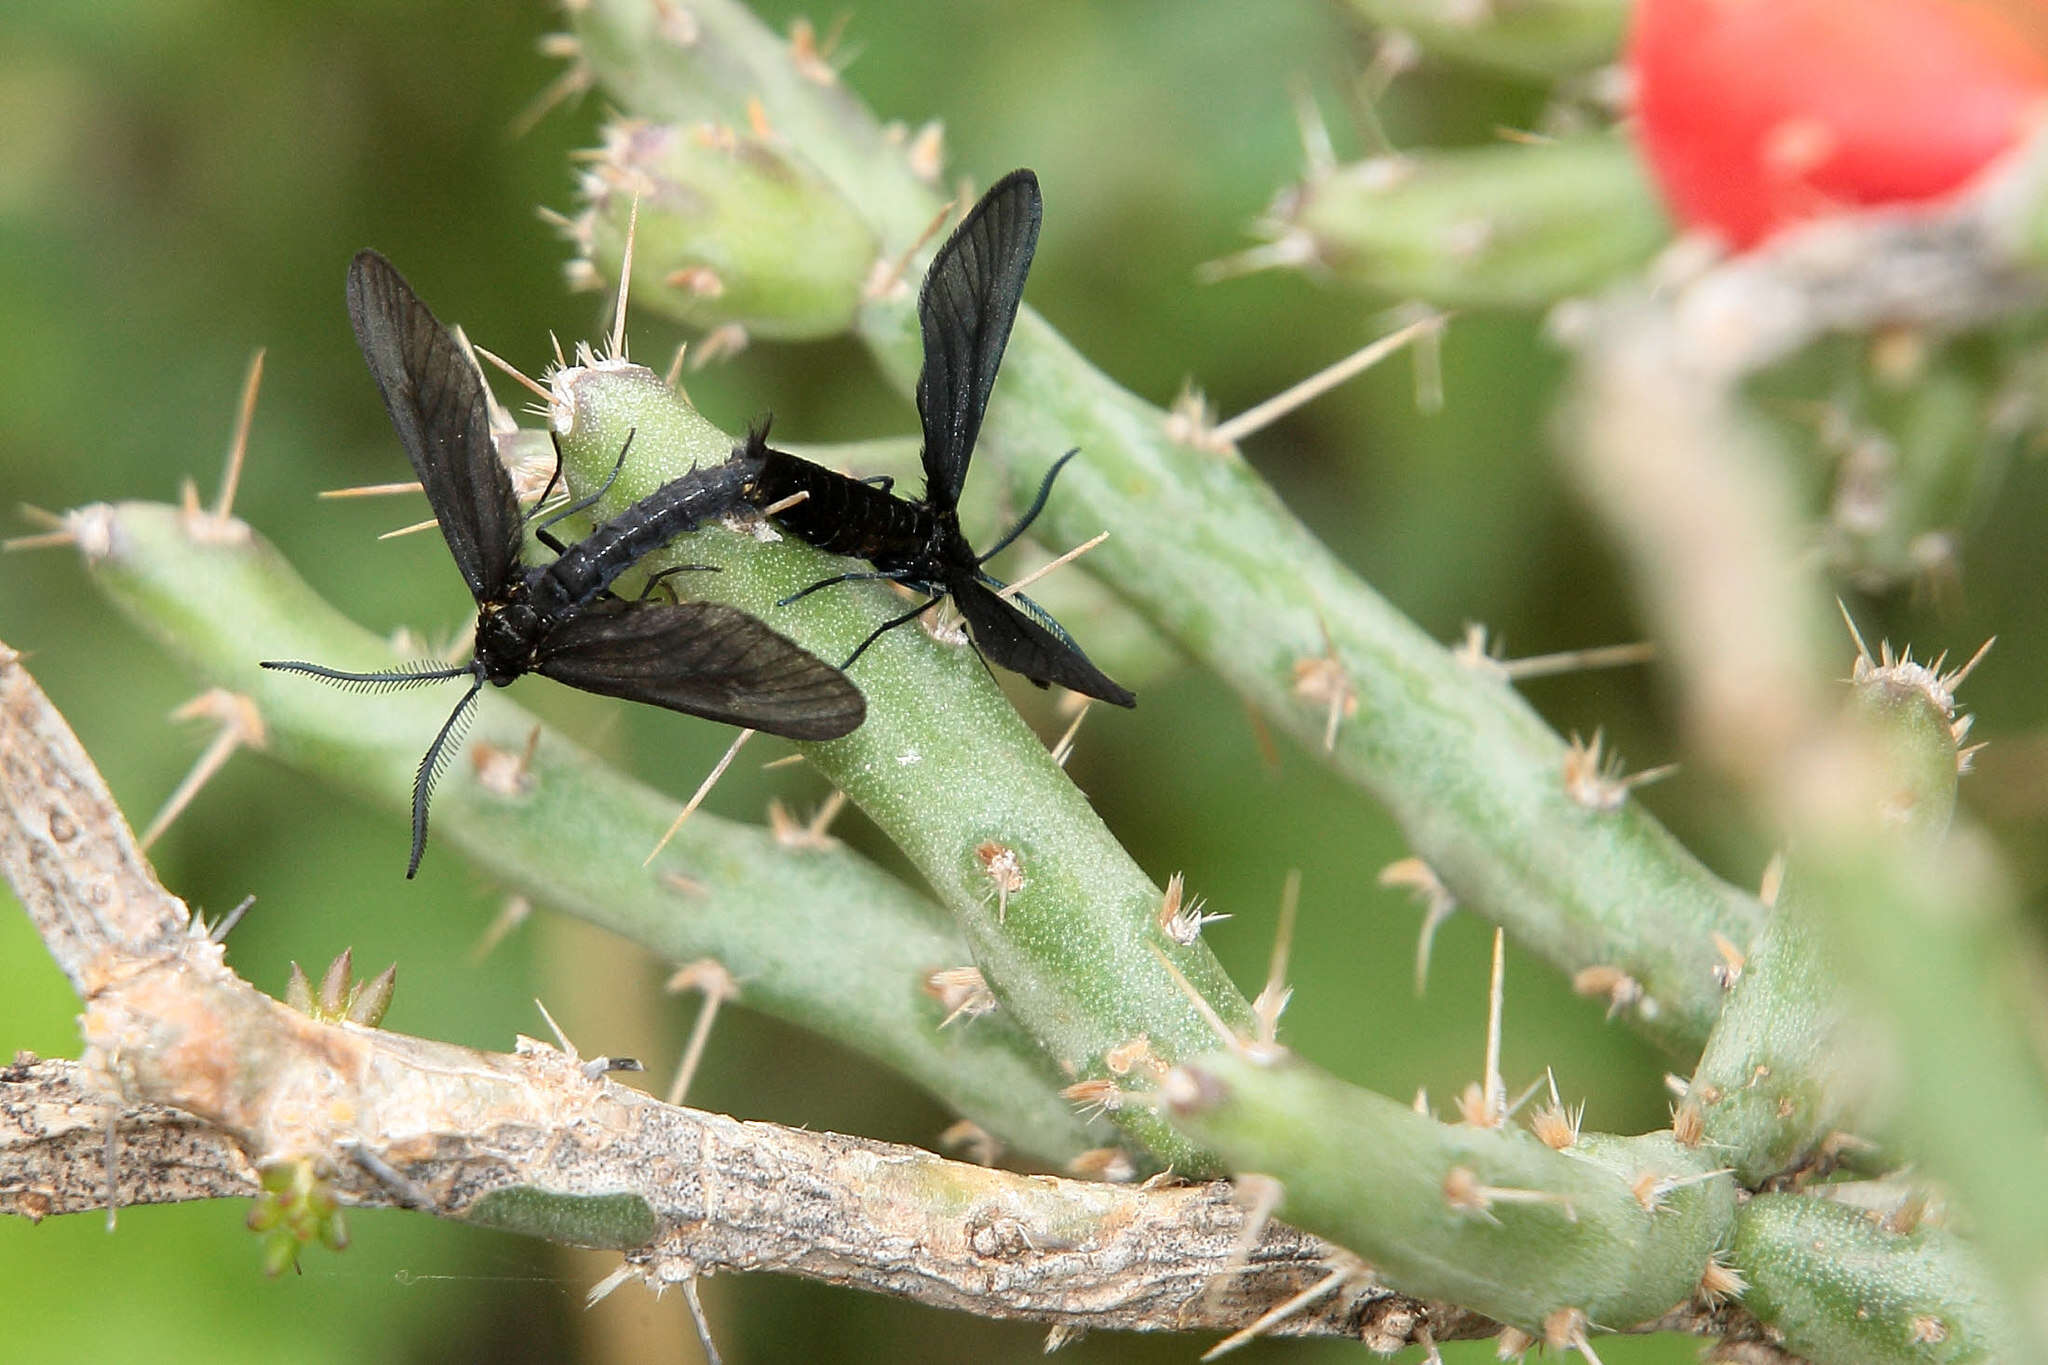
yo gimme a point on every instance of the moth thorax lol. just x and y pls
(505, 637)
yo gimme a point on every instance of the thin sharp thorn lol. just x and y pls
(1294, 249)
(1010, 590)
(1496, 1089)
(518, 376)
(410, 1195)
(41, 540)
(240, 724)
(1394, 53)
(413, 529)
(113, 1166)
(900, 267)
(1318, 154)
(371, 490)
(1273, 1317)
(674, 378)
(515, 913)
(1064, 749)
(210, 762)
(1436, 909)
(703, 790)
(556, 343)
(602, 1290)
(576, 78)
(828, 811)
(1264, 414)
(1202, 1007)
(1956, 679)
(1515, 1106)
(561, 1038)
(1276, 966)
(1862, 650)
(784, 504)
(693, 1054)
(1577, 660)
(618, 337)
(711, 1356)
(231, 476)
(496, 415)
(219, 932)
(1649, 775)
(43, 517)
(1429, 373)
(786, 761)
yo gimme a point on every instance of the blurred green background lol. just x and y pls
(181, 183)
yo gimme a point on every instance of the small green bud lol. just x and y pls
(371, 999)
(297, 1207)
(298, 991)
(334, 986)
(341, 997)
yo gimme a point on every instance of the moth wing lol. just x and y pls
(703, 659)
(965, 310)
(436, 401)
(1006, 635)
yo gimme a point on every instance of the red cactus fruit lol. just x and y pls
(1757, 114)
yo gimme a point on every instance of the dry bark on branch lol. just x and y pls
(204, 1080)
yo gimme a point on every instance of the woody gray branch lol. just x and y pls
(205, 1080)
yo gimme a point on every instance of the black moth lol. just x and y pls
(561, 619)
(966, 307)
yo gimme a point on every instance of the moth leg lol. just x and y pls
(583, 504)
(553, 478)
(835, 581)
(879, 631)
(658, 581)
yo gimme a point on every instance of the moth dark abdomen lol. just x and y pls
(838, 515)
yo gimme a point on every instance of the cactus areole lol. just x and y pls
(1755, 115)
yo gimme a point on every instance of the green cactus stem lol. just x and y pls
(1789, 1072)
(1206, 553)
(1479, 227)
(1918, 431)
(818, 936)
(1493, 1219)
(1540, 38)
(1849, 1287)
(1792, 1067)
(732, 230)
(1928, 941)
(1062, 923)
